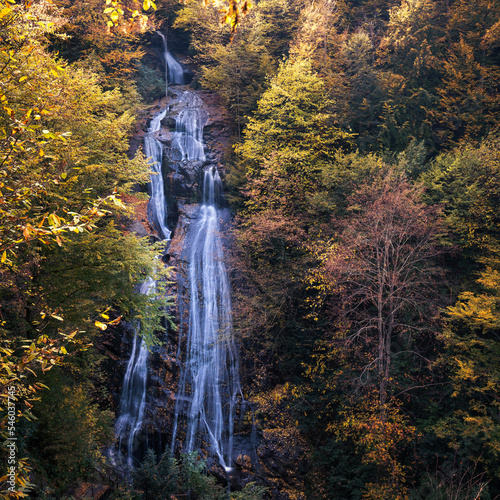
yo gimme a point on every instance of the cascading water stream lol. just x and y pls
(133, 396)
(174, 73)
(188, 135)
(153, 149)
(209, 386)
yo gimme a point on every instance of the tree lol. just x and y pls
(466, 182)
(468, 95)
(69, 432)
(157, 479)
(381, 271)
(206, 32)
(239, 75)
(406, 46)
(384, 266)
(287, 143)
(471, 349)
(292, 121)
(63, 144)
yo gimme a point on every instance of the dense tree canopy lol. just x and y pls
(67, 271)
(363, 175)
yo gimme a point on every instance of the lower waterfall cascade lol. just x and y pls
(133, 397)
(209, 386)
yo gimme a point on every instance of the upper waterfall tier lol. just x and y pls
(174, 74)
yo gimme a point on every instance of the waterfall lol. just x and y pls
(133, 395)
(188, 135)
(209, 385)
(153, 149)
(174, 74)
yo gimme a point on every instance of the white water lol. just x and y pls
(153, 149)
(188, 135)
(209, 385)
(133, 395)
(174, 74)
(175, 71)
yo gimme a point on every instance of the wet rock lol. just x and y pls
(137, 228)
(165, 136)
(178, 184)
(187, 214)
(168, 122)
(191, 171)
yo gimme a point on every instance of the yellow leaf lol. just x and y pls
(54, 220)
(4, 12)
(118, 202)
(57, 317)
(54, 72)
(100, 325)
(114, 16)
(146, 4)
(4, 256)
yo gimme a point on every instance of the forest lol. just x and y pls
(362, 174)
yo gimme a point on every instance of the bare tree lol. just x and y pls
(384, 268)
